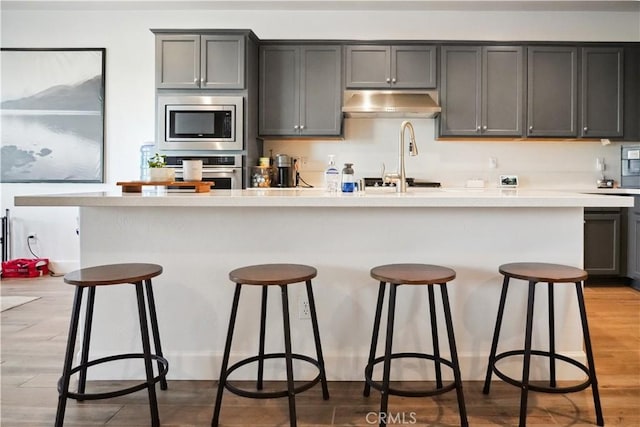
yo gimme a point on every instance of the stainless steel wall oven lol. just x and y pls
(225, 171)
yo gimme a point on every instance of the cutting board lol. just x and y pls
(136, 186)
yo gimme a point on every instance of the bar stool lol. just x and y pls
(413, 274)
(266, 275)
(107, 275)
(552, 274)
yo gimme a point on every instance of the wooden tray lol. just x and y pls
(136, 186)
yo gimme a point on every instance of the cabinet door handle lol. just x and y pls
(301, 127)
(484, 127)
(202, 81)
(393, 80)
(388, 80)
(296, 127)
(478, 129)
(195, 80)
(585, 129)
(530, 127)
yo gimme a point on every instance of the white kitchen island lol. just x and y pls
(199, 238)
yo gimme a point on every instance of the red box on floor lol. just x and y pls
(25, 267)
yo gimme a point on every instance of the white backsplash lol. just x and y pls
(368, 143)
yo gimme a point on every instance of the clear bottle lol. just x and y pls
(348, 179)
(331, 176)
(146, 152)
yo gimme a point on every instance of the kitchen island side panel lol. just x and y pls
(198, 246)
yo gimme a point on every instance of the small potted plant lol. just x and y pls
(158, 170)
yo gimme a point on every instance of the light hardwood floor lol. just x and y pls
(34, 337)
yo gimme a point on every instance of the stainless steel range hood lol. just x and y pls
(390, 103)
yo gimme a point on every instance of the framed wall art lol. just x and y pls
(52, 115)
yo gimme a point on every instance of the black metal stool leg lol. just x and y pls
(146, 349)
(386, 375)
(589, 351)
(374, 337)
(154, 329)
(434, 336)
(287, 356)
(454, 354)
(68, 358)
(496, 335)
(552, 339)
(263, 321)
(225, 358)
(86, 340)
(316, 337)
(527, 356)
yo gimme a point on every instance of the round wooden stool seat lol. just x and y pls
(272, 274)
(543, 272)
(413, 274)
(112, 274)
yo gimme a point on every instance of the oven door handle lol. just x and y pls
(216, 170)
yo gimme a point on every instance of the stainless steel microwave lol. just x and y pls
(199, 122)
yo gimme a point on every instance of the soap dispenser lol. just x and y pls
(348, 179)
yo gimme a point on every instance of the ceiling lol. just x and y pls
(395, 5)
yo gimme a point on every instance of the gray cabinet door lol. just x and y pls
(178, 61)
(279, 112)
(413, 67)
(602, 243)
(320, 90)
(391, 67)
(222, 62)
(552, 91)
(502, 90)
(460, 90)
(633, 243)
(368, 66)
(602, 92)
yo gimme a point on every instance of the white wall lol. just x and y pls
(130, 95)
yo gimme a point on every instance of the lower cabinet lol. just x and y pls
(612, 242)
(633, 243)
(602, 241)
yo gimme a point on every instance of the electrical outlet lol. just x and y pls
(304, 312)
(493, 163)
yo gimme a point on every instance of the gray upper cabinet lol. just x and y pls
(390, 67)
(552, 97)
(192, 61)
(482, 91)
(602, 92)
(300, 90)
(460, 89)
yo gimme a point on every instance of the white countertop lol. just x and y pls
(415, 197)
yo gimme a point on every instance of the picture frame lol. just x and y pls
(52, 106)
(508, 181)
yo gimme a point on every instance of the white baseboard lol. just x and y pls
(59, 268)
